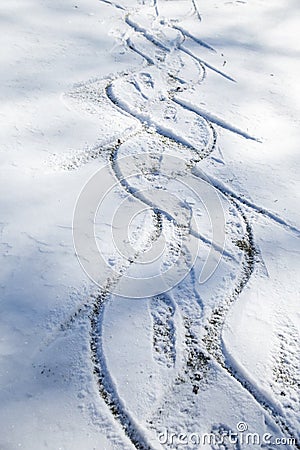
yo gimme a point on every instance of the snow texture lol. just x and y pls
(189, 110)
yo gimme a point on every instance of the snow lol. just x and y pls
(185, 116)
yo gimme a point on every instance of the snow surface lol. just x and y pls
(191, 112)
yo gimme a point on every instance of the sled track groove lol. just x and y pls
(106, 388)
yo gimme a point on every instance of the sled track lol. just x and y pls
(106, 387)
(198, 354)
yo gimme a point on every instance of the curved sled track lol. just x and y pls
(211, 345)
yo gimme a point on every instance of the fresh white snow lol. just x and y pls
(185, 116)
